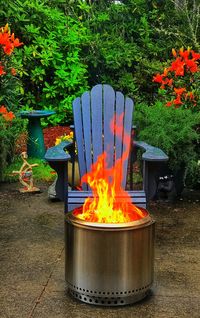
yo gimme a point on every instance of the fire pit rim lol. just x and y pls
(70, 217)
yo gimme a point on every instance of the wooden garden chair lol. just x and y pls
(92, 113)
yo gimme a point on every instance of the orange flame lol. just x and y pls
(109, 202)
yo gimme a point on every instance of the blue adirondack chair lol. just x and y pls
(92, 113)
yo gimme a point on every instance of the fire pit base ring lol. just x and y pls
(123, 298)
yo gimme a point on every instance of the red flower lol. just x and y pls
(8, 116)
(17, 43)
(178, 101)
(168, 104)
(8, 41)
(4, 38)
(180, 90)
(158, 78)
(178, 67)
(170, 82)
(184, 54)
(2, 72)
(195, 56)
(3, 110)
(13, 71)
(8, 48)
(192, 66)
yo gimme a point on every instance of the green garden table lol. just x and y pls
(35, 142)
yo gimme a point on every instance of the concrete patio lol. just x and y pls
(32, 261)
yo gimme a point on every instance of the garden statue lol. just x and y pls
(26, 175)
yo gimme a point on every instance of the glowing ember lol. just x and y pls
(109, 202)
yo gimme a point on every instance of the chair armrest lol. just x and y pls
(58, 152)
(151, 153)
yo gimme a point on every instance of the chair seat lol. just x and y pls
(77, 198)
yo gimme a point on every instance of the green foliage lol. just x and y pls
(53, 73)
(9, 132)
(42, 172)
(72, 45)
(175, 131)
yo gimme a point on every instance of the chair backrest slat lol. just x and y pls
(78, 125)
(128, 113)
(119, 111)
(96, 117)
(86, 113)
(93, 113)
(109, 111)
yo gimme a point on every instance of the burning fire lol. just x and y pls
(109, 202)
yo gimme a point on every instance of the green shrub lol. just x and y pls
(9, 132)
(10, 86)
(175, 131)
(53, 73)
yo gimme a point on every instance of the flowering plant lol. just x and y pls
(9, 83)
(179, 83)
(10, 127)
(8, 116)
(69, 137)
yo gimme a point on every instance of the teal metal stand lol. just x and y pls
(35, 142)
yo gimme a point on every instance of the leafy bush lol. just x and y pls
(175, 131)
(180, 81)
(10, 85)
(72, 45)
(53, 73)
(9, 131)
(10, 127)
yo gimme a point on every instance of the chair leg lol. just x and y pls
(61, 183)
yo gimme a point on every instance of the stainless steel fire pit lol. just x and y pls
(109, 264)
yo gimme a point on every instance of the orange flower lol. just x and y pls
(170, 82)
(192, 66)
(178, 101)
(195, 56)
(178, 67)
(168, 104)
(8, 116)
(174, 52)
(17, 43)
(3, 110)
(8, 41)
(13, 71)
(180, 90)
(2, 72)
(167, 81)
(4, 38)
(166, 70)
(8, 48)
(158, 78)
(184, 54)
